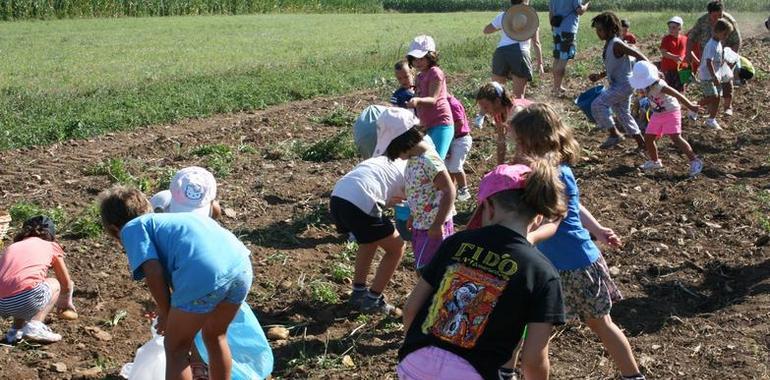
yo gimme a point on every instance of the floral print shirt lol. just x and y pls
(423, 197)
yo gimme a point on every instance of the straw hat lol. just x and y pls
(520, 22)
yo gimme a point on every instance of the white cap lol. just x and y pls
(392, 123)
(192, 190)
(676, 19)
(421, 45)
(161, 201)
(643, 75)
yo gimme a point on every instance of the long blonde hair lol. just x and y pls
(540, 132)
(542, 195)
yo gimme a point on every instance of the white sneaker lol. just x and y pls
(729, 112)
(652, 165)
(13, 335)
(37, 331)
(696, 167)
(712, 123)
(692, 115)
(463, 194)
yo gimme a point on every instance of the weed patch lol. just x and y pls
(337, 147)
(22, 211)
(323, 292)
(118, 172)
(219, 158)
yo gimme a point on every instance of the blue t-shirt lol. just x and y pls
(401, 96)
(571, 247)
(566, 9)
(196, 253)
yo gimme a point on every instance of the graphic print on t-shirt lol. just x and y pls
(462, 304)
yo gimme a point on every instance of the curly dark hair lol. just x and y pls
(39, 227)
(715, 6)
(608, 21)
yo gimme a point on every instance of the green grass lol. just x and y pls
(77, 78)
(627, 5)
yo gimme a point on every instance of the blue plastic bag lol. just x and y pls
(252, 355)
(586, 98)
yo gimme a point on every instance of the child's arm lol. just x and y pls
(603, 234)
(156, 282)
(544, 232)
(67, 286)
(666, 54)
(538, 52)
(534, 354)
(442, 182)
(712, 71)
(489, 29)
(668, 90)
(434, 88)
(502, 148)
(621, 48)
(415, 301)
(582, 9)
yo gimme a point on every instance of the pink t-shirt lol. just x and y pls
(439, 113)
(458, 116)
(25, 264)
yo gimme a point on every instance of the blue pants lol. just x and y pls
(442, 136)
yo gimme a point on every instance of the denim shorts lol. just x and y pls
(234, 292)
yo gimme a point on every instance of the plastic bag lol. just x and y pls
(252, 355)
(149, 362)
(365, 130)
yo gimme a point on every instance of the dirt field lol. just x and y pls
(695, 268)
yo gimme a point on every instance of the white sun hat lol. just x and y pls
(643, 75)
(677, 20)
(421, 45)
(392, 123)
(192, 190)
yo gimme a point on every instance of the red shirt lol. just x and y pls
(630, 38)
(25, 264)
(675, 46)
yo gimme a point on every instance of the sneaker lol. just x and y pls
(712, 123)
(200, 371)
(37, 331)
(611, 142)
(13, 335)
(378, 305)
(652, 165)
(729, 112)
(692, 115)
(463, 194)
(696, 166)
(357, 298)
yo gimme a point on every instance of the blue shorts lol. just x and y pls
(563, 45)
(234, 292)
(442, 136)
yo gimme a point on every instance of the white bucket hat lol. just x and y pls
(676, 20)
(192, 190)
(421, 45)
(392, 123)
(643, 75)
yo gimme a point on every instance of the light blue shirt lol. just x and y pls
(196, 253)
(571, 247)
(566, 9)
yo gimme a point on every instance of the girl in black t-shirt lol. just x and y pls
(485, 284)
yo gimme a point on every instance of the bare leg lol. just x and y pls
(181, 328)
(393, 246)
(616, 344)
(712, 105)
(559, 70)
(215, 337)
(53, 284)
(652, 149)
(640, 144)
(519, 87)
(364, 258)
(499, 79)
(460, 179)
(683, 146)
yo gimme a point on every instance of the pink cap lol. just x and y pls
(503, 177)
(192, 190)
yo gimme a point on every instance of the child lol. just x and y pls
(628, 37)
(588, 289)
(26, 292)
(357, 206)
(711, 61)
(458, 151)
(617, 63)
(430, 192)
(405, 78)
(666, 118)
(487, 284)
(493, 100)
(431, 99)
(673, 49)
(205, 265)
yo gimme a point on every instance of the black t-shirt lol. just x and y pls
(487, 285)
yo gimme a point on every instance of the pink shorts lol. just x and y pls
(424, 247)
(429, 363)
(665, 123)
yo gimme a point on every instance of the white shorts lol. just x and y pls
(458, 153)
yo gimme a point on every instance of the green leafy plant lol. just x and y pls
(87, 224)
(337, 147)
(323, 292)
(340, 272)
(219, 158)
(22, 211)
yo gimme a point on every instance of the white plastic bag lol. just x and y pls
(149, 362)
